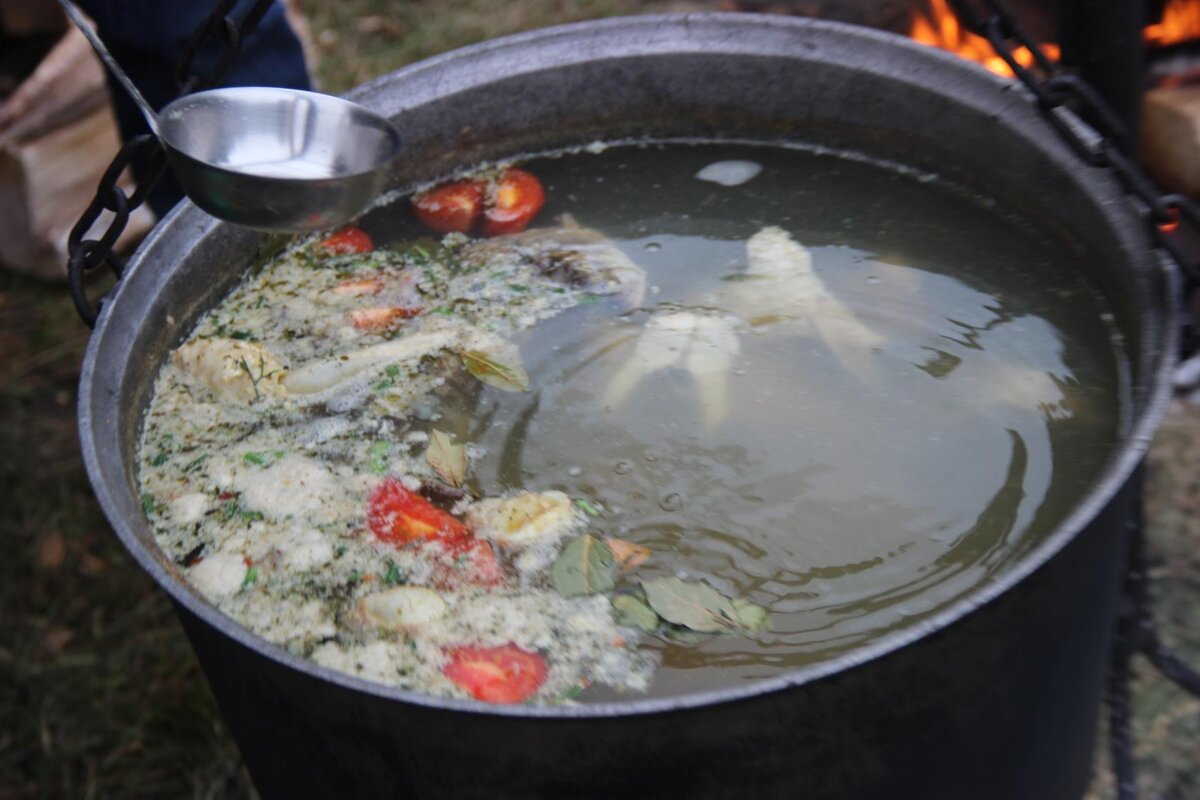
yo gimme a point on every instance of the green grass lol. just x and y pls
(101, 697)
(356, 40)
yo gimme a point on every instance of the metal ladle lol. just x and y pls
(267, 158)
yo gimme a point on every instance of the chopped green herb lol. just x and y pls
(191, 465)
(229, 510)
(574, 693)
(587, 507)
(262, 373)
(393, 576)
(442, 310)
(589, 299)
(355, 576)
(148, 504)
(263, 458)
(251, 576)
(241, 335)
(251, 516)
(384, 385)
(159, 459)
(339, 551)
(392, 370)
(516, 287)
(378, 454)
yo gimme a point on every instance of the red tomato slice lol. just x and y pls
(517, 198)
(505, 674)
(470, 561)
(346, 241)
(399, 516)
(380, 318)
(358, 288)
(452, 207)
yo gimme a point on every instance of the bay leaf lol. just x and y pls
(693, 605)
(750, 617)
(495, 372)
(629, 555)
(633, 613)
(447, 459)
(586, 566)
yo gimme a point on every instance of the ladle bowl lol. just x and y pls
(277, 159)
(267, 158)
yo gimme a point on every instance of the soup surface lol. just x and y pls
(721, 411)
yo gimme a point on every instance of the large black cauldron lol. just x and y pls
(997, 697)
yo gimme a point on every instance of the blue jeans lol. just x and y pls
(148, 37)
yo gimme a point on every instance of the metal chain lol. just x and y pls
(1106, 145)
(86, 255)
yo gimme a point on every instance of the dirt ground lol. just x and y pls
(102, 697)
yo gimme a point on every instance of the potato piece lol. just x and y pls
(404, 608)
(526, 519)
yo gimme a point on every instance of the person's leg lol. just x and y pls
(148, 37)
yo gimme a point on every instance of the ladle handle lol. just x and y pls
(81, 22)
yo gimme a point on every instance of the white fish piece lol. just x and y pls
(304, 549)
(1022, 386)
(218, 575)
(292, 486)
(189, 508)
(579, 257)
(705, 343)
(782, 283)
(348, 373)
(232, 369)
(730, 173)
(328, 373)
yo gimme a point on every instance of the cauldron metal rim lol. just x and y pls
(1120, 466)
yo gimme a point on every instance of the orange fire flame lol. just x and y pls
(1180, 22)
(940, 28)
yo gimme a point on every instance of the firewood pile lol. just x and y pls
(57, 136)
(1171, 137)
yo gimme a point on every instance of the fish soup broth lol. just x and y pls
(719, 412)
(852, 463)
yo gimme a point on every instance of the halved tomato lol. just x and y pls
(396, 515)
(505, 674)
(346, 241)
(452, 207)
(512, 205)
